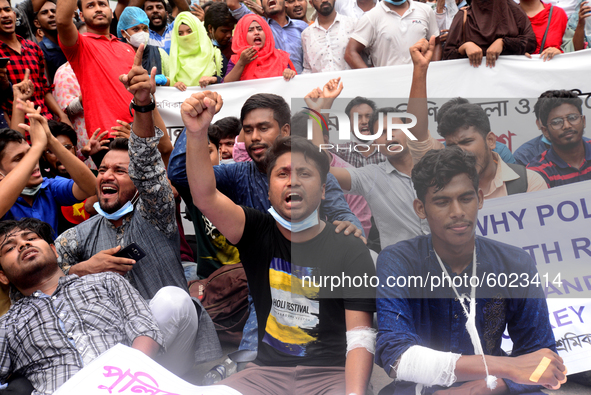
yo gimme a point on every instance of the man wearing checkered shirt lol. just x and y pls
(57, 323)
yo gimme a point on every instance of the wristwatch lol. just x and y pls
(143, 109)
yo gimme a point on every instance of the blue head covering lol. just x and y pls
(130, 17)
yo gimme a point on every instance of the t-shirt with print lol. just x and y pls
(301, 322)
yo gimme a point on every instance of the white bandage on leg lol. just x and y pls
(425, 366)
(362, 337)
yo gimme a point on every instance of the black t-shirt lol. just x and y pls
(301, 322)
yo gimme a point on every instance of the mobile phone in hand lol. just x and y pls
(132, 251)
(3, 62)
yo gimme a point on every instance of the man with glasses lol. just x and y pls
(568, 160)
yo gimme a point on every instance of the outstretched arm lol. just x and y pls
(197, 112)
(66, 30)
(421, 54)
(15, 181)
(318, 100)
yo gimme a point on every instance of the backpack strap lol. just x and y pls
(547, 28)
(518, 185)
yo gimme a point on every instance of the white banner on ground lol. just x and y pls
(553, 227)
(126, 371)
(508, 91)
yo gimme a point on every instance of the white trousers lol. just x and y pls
(176, 316)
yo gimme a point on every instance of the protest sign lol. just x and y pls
(553, 227)
(124, 370)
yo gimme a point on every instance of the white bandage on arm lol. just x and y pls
(362, 337)
(425, 366)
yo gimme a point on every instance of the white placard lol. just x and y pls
(126, 371)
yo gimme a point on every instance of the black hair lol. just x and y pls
(206, 5)
(35, 14)
(119, 144)
(299, 144)
(228, 127)
(40, 228)
(79, 4)
(62, 129)
(281, 111)
(9, 136)
(556, 99)
(299, 125)
(449, 104)
(357, 101)
(79, 24)
(164, 3)
(218, 14)
(462, 116)
(213, 135)
(438, 167)
(380, 112)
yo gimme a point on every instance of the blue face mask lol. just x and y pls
(215, 42)
(396, 2)
(310, 221)
(123, 211)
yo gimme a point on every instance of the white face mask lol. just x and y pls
(138, 39)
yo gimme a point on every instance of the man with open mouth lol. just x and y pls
(305, 331)
(265, 117)
(296, 9)
(136, 205)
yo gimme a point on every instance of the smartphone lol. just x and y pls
(3, 62)
(132, 251)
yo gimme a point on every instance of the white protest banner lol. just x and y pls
(508, 91)
(124, 370)
(553, 227)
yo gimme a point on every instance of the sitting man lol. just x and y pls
(265, 117)
(136, 205)
(468, 126)
(24, 192)
(568, 160)
(427, 337)
(304, 330)
(58, 324)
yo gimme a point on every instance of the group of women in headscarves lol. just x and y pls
(195, 61)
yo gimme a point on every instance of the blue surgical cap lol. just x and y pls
(130, 17)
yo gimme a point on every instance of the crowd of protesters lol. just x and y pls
(89, 177)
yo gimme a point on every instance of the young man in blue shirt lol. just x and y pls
(423, 323)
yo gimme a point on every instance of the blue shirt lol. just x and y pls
(287, 38)
(557, 172)
(417, 316)
(245, 185)
(54, 57)
(529, 150)
(54, 193)
(162, 41)
(532, 148)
